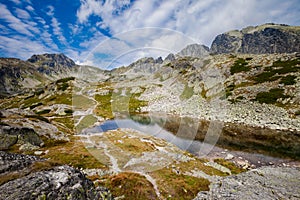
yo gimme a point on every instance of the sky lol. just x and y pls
(109, 33)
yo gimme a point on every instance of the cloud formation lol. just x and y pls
(202, 20)
(83, 28)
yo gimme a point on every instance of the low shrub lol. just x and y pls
(271, 96)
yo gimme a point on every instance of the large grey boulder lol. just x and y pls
(60, 182)
(10, 135)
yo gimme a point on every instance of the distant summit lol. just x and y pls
(264, 39)
(194, 50)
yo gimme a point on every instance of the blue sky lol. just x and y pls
(104, 32)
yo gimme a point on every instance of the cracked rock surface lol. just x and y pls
(263, 183)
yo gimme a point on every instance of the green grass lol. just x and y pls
(131, 185)
(187, 93)
(179, 186)
(86, 122)
(118, 103)
(72, 153)
(104, 107)
(67, 122)
(82, 102)
(240, 65)
(271, 96)
(233, 168)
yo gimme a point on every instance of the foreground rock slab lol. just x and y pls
(263, 183)
(60, 182)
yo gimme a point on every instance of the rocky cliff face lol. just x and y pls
(264, 39)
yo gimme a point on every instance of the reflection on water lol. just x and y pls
(153, 129)
(189, 134)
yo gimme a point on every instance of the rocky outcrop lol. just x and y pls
(264, 39)
(23, 135)
(60, 182)
(262, 183)
(170, 57)
(10, 162)
(194, 50)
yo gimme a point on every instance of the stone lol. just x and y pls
(229, 157)
(7, 141)
(38, 153)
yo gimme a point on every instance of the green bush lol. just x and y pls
(240, 65)
(288, 80)
(278, 68)
(38, 117)
(46, 111)
(271, 96)
(229, 89)
(64, 80)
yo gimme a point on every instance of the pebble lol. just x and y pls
(38, 153)
(229, 157)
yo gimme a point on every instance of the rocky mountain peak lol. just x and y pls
(52, 63)
(264, 39)
(170, 57)
(52, 60)
(194, 50)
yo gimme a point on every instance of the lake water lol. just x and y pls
(190, 135)
(154, 129)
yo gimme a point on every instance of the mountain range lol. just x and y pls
(17, 75)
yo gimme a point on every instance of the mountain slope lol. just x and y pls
(16, 75)
(19, 76)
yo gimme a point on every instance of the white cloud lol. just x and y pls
(198, 21)
(87, 8)
(23, 14)
(25, 42)
(201, 20)
(25, 47)
(13, 22)
(50, 11)
(57, 30)
(19, 2)
(30, 8)
(16, 1)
